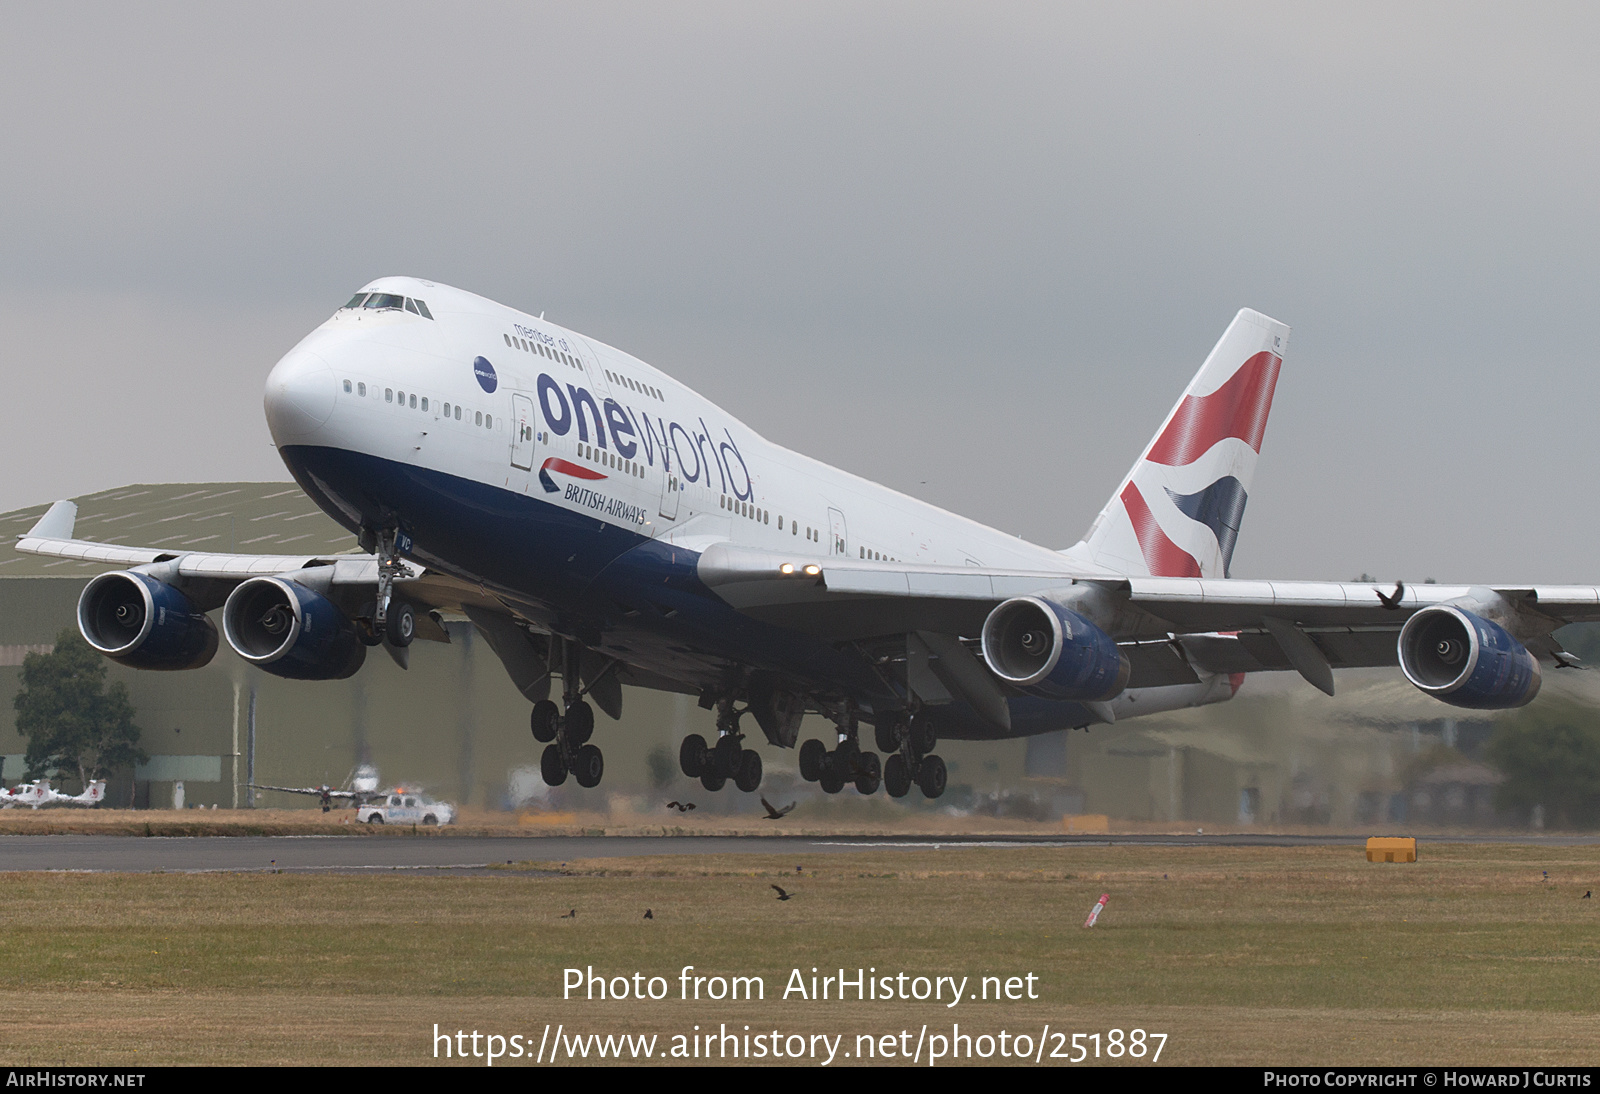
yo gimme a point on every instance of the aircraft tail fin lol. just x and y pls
(96, 792)
(1177, 512)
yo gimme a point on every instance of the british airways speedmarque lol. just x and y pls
(600, 524)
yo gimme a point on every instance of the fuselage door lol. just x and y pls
(522, 432)
(671, 487)
(840, 544)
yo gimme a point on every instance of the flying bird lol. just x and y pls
(682, 807)
(781, 894)
(1392, 601)
(647, 914)
(573, 914)
(774, 813)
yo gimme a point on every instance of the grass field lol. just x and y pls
(1250, 956)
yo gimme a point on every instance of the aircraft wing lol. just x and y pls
(316, 791)
(1167, 626)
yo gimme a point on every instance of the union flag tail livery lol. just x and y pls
(1177, 513)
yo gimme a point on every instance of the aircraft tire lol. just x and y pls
(579, 723)
(923, 737)
(712, 780)
(726, 756)
(749, 776)
(931, 777)
(813, 758)
(588, 766)
(869, 773)
(887, 734)
(402, 625)
(553, 766)
(832, 780)
(897, 776)
(692, 756)
(545, 720)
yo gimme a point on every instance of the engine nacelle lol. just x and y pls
(1467, 661)
(291, 631)
(144, 623)
(1052, 651)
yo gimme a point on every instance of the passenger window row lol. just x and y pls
(549, 352)
(616, 463)
(876, 556)
(745, 509)
(415, 402)
(642, 389)
(384, 301)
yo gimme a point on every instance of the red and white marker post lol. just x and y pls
(1099, 906)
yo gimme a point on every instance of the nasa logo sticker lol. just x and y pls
(484, 371)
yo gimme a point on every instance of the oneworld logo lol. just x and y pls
(484, 371)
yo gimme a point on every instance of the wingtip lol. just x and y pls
(57, 522)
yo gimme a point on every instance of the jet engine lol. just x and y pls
(1052, 651)
(1467, 661)
(291, 631)
(144, 623)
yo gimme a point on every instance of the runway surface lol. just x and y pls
(476, 854)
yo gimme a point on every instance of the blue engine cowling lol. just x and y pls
(1467, 661)
(291, 631)
(144, 623)
(1053, 652)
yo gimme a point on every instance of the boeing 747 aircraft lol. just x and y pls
(600, 523)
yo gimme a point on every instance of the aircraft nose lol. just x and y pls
(299, 396)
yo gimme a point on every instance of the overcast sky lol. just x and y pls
(971, 251)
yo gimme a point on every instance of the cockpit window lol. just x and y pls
(355, 301)
(380, 300)
(422, 310)
(411, 305)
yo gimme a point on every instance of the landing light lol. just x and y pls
(813, 570)
(786, 568)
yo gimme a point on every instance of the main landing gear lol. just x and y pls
(566, 736)
(912, 743)
(844, 763)
(728, 759)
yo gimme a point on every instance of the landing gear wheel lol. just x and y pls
(813, 757)
(726, 756)
(897, 776)
(402, 627)
(545, 720)
(868, 773)
(368, 633)
(931, 776)
(692, 756)
(712, 780)
(749, 776)
(832, 779)
(888, 734)
(579, 723)
(588, 765)
(553, 766)
(923, 737)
